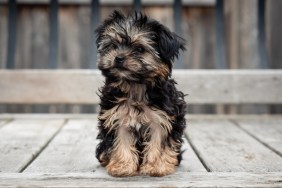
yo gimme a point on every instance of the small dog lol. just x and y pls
(141, 121)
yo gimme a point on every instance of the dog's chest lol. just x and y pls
(139, 113)
(137, 94)
(137, 100)
(133, 111)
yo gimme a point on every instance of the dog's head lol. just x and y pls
(135, 48)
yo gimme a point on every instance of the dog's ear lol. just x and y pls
(169, 44)
(116, 17)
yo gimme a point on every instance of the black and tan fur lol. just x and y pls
(142, 112)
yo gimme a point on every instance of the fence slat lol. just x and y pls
(12, 27)
(95, 18)
(137, 5)
(177, 18)
(261, 34)
(220, 61)
(53, 34)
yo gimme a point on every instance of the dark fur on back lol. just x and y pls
(142, 86)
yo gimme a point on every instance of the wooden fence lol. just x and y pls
(220, 34)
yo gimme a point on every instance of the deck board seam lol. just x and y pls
(208, 169)
(183, 179)
(256, 138)
(35, 156)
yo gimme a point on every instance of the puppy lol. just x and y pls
(141, 121)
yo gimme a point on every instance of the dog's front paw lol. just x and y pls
(122, 169)
(157, 169)
(159, 163)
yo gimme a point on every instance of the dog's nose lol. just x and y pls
(119, 59)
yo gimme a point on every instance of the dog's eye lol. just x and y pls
(140, 49)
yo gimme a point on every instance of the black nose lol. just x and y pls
(119, 59)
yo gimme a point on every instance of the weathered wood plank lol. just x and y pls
(241, 23)
(63, 87)
(80, 86)
(198, 29)
(225, 147)
(230, 86)
(181, 179)
(73, 150)
(273, 30)
(85, 36)
(22, 140)
(70, 49)
(23, 55)
(163, 14)
(269, 132)
(32, 38)
(190, 162)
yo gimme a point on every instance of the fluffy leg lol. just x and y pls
(124, 156)
(159, 159)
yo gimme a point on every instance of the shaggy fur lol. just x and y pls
(141, 121)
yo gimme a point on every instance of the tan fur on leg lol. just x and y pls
(124, 157)
(159, 162)
(159, 158)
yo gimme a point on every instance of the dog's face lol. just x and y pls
(136, 49)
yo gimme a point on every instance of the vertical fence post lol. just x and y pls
(177, 18)
(12, 27)
(137, 5)
(220, 60)
(53, 52)
(261, 34)
(220, 56)
(95, 18)
(53, 40)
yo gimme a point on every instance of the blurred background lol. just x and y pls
(59, 34)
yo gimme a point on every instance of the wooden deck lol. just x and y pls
(220, 151)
